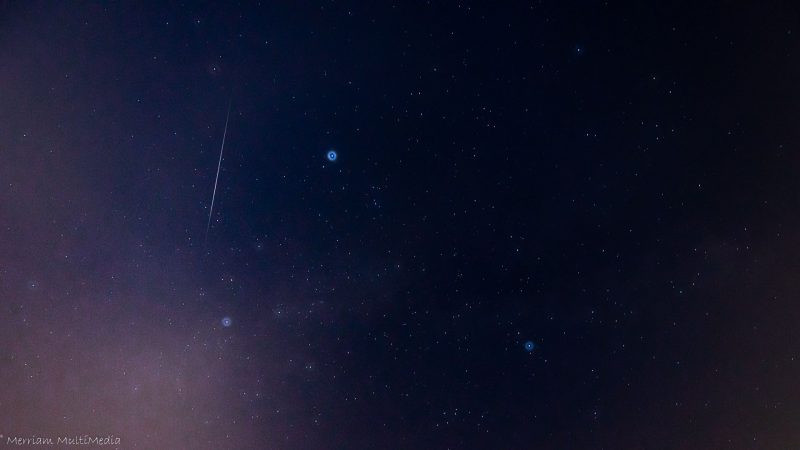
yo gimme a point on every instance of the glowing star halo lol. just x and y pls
(529, 346)
(332, 155)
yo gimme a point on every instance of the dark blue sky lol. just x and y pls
(613, 181)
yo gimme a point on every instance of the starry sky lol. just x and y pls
(548, 224)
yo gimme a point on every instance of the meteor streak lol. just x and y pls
(219, 164)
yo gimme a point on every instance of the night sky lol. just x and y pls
(547, 225)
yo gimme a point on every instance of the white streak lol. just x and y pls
(219, 164)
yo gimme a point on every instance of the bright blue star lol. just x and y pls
(226, 322)
(332, 155)
(529, 346)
